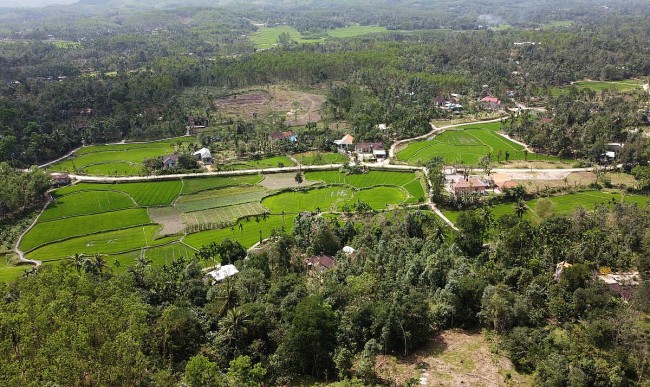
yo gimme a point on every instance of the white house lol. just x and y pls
(223, 272)
(204, 155)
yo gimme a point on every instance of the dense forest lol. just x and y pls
(408, 279)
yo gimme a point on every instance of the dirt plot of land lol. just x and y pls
(452, 358)
(576, 179)
(283, 180)
(298, 107)
(170, 219)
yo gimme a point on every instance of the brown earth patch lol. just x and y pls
(168, 217)
(296, 107)
(575, 179)
(283, 180)
(452, 358)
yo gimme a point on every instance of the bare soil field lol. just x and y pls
(298, 107)
(576, 179)
(283, 180)
(452, 358)
(170, 219)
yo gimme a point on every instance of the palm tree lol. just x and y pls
(520, 208)
(76, 261)
(226, 296)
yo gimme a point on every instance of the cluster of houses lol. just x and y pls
(497, 182)
(203, 155)
(366, 151)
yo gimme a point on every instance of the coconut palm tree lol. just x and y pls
(77, 261)
(520, 208)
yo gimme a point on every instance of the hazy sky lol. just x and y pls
(33, 3)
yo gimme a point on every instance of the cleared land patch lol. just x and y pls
(267, 37)
(169, 218)
(10, 272)
(622, 86)
(86, 202)
(299, 107)
(467, 145)
(452, 358)
(283, 180)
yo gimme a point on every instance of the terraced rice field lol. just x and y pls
(86, 202)
(248, 235)
(467, 145)
(223, 214)
(408, 180)
(55, 230)
(332, 199)
(105, 243)
(155, 193)
(118, 159)
(219, 198)
(9, 272)
(564, 204)
(195, 185)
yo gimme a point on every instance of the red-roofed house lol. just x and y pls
(473, 184)
(345, 143)
(287, 135)
(370, 150)
(489, 102)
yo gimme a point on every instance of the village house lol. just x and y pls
(203, 155)
(286, 135)
(345, 143)
(319, 264)
(170, 161)
(473, 184)
(222, 273)
(370, 150)
(490, 102)
(621, 283)
(60, 178)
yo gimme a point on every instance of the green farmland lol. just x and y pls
(467, 145)
(118, 159)
(267, 37)
(563, 204)
(623, 86)
(318, 158)
(126, 220)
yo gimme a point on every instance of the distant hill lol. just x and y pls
(33, 3)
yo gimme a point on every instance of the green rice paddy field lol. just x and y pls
(563, 204)
(317, 158)
(467, 145)
(118, 159)
(112, 219)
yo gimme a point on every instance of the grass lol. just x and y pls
(270, 162)
(54, 230)
(195, 185)
(563, 204)
(105, 243)
(467, 145)
(10, 272)
(147, 194)
(248, 235)
(85, 203)
(223, 214)
(118, 159)
(408, 180)
(165, 254)
(317, 158)
(219, 198)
